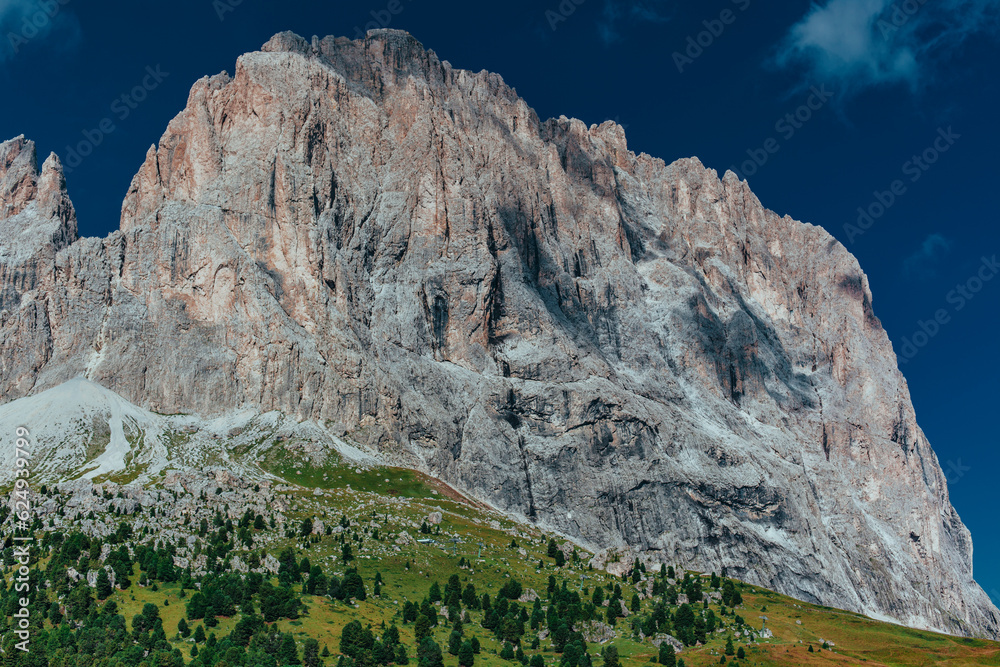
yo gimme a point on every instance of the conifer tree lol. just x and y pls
(429, 654)
(610, 655)
(310, 653)
(667, 656)
(103, 585)
(288, 653)
(466, 656)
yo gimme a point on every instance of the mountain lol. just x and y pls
(356, 235)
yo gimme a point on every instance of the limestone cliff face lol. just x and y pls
(627, 351)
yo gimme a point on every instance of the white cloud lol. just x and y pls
(23, 22)
(858, 44)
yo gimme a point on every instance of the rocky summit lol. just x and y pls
(633, 353)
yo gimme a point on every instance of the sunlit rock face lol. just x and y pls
(627, 351)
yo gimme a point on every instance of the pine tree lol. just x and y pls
(730, 596)
(667, 655)
(700, 629)
(103, 585)
(288, 653)
(466, 656)
(560, 637)
(182, 628)
(729, 646)
(422, 628)
(199, 634)
(610, 654)
(353, 585)
(741, 654)
(310, 653)
(455, 642)
(469, 597)
(572, 654)
(429, 654)
(612, 613)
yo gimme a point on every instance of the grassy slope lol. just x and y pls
(399, 500)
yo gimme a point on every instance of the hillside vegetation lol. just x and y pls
(325, 568)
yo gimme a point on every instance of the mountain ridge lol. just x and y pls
(356, 233)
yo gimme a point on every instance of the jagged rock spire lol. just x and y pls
(36, 214)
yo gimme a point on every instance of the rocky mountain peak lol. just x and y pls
(36, 214)
(18, 175)
(626, 351)
(383, 51)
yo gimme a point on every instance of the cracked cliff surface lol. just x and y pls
(624, 350)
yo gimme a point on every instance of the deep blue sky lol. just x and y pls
(613, 59)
